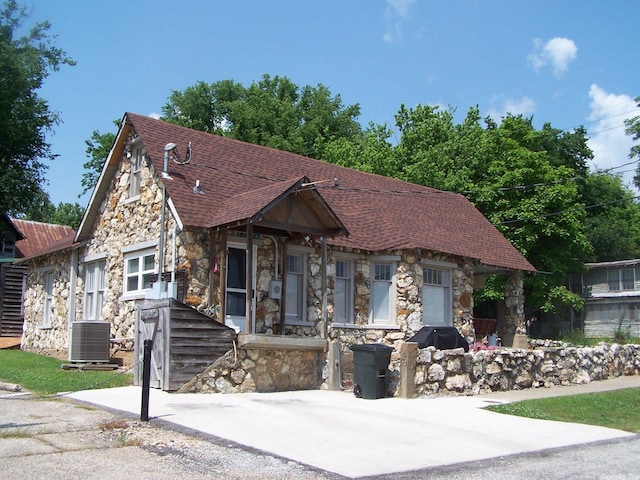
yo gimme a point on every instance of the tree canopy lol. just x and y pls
(274, 112)
(25, 117)
(633, 129)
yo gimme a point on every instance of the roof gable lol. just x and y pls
(293, 205)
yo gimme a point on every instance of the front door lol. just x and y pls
(236, 288)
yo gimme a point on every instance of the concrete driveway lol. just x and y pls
(336, 432)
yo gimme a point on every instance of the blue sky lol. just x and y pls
(568, 63)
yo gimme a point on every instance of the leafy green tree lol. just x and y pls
(98, 148)
(522, 179)
(633, 128)
(25, 117)
(204, 106)
(612, 224)
(68, 214)
(42, 210)
(370, 151)
(274, 112)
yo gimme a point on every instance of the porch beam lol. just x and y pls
(299, 228)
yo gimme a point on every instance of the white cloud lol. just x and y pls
(155, 115)
(557, 53)
(516, 106)
(608, 140)
(397, 13)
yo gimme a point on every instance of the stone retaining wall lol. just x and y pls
(253, 370)
(422, 372)
(502, 369)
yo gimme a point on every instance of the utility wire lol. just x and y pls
(561, 212)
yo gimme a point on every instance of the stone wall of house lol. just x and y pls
(409, 283)
(252, 370)
(52, 339)
(124, 222)
(502, 369)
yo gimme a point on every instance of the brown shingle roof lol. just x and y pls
(39, 236)
(380, 213)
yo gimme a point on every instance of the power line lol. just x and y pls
(561, 212)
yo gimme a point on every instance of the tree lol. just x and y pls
(68, 214)
(98, 148)
(369, 151)
(25, 117)
(613, 218)
(203, 106)
(633, 128)
(274, 112)
(525, 181)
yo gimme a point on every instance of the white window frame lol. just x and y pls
(349, 287)
(624, 283)
(239, 322)
(299, 317)
(47, 304)
(391, 315)
(94, 288)
(141, 274)
(437, 275)
(616, 281)
(135, 176)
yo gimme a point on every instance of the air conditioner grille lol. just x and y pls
(90, 342)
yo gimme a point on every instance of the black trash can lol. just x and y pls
(370, 364)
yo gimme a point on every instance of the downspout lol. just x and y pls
(71, 311)
(161, 242)
(173, 255)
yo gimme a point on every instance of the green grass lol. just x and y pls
(579, 339)
(44, 375)
(616, 409)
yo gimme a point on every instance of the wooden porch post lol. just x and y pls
(283, 296)
(323, 268)
(249, 276)
(222, 268)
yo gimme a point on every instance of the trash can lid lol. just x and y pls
(371, 347)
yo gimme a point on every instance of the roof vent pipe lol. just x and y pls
(167, 148)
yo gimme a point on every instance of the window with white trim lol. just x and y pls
(135, 179)
(139, 268)
(621, 279)
(343, 292)
(47, 312)
(436, 296)
(94, 285)
(383, 308)
(296, 295)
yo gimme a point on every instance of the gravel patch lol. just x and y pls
(57, 438)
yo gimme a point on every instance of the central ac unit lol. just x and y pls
(90, 342)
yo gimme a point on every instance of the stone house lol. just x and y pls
(293, 254)
(18, 239)
(611, 291)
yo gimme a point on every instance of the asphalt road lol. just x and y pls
(61, 439)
